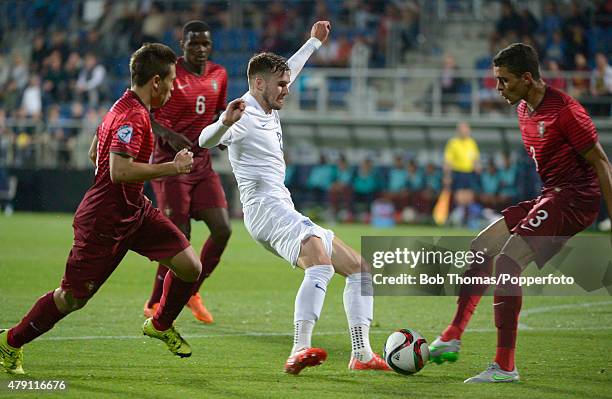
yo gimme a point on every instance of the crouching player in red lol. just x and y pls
(115, 216)
(560, 137)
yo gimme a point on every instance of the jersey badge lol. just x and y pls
(541, 129)
(125, 133)
(215, 85)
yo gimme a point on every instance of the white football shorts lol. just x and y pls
(275, 224)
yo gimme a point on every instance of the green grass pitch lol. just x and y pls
(100, 351)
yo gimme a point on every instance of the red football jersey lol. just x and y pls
(111, 208)
(554, 134)
(195, 102)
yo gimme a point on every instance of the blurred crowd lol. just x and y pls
(65, 61)
(406, 191)
(570, 36)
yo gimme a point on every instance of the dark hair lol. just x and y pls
(266, 63)
(195, 26)
(519, 58)
(150, 60)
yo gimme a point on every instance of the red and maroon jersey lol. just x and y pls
(554, 134)
(113, 207)
(195, 102)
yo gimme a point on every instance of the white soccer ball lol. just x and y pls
(406, 351)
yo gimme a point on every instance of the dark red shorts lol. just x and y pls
(181, 197)
(93, 257)
(546, 223)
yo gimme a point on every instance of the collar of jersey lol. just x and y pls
(252, 101)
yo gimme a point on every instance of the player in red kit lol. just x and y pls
(559, 135)
(115, 216)
(200, 94)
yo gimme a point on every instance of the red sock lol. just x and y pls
(469, 297)
(210, 257)
(505, 358)
(40, 319)
(158, 285)
(507, 303)
(175, 296)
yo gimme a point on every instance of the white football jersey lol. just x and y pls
(255, 145)
(255, 142)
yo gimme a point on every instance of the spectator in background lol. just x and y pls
(365, 185)
(489, 186)
(19, 71)
(77, 113)
(9, 97)
(601, 86)
(507, 183)
(32, 98)
(461, 164)
(72, 68)
(343, 55)
(415, 184)
(509, 20)
(341, 191)
(360, 53)
(556, 47)
(528, 22)
(59, 44)
(7, 140)
(396, 189)
(154, 23)
(450, 83)
(291, 181)
(91, 77)
(320, 179)
(554, 76)
(580, 84)
(551, 20)
(409, 27)
(62, 143)
(433, 185)
(577, 42)
(5, 70)
(53, 79)
(38, 53)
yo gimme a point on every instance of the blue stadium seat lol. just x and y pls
(338, 90)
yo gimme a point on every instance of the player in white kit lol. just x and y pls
(250, 128)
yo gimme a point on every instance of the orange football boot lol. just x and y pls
(375, 363)
(308, 357)
(198, 309)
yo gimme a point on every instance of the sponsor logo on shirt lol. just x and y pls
(125, 134)
(307, 222)
(215, 85)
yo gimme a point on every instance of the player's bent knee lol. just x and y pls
(192, 271)
(185, 265)
(66, 302)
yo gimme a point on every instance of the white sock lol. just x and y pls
(308, 303)
(302, 334)
(359, 305)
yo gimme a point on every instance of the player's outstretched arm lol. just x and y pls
(176, 140)
(93, 150)
(123, 169)
(318, 35)
(211, 135)
(597, 158)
